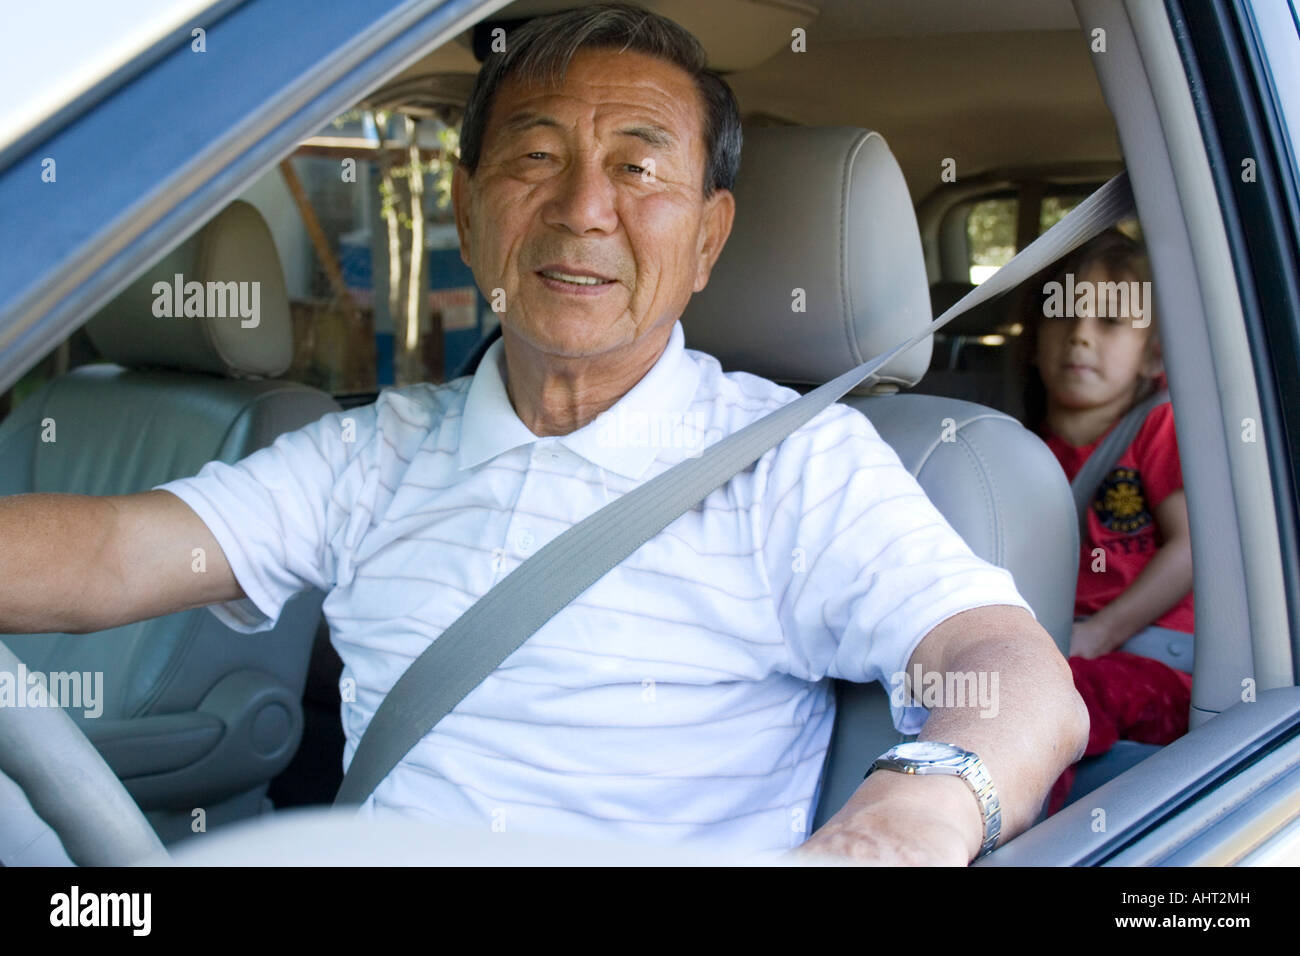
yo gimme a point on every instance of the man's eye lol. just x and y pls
(537, 155)
(637, 170)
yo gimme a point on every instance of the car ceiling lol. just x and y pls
(995, 85)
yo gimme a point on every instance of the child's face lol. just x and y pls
(1090, 362)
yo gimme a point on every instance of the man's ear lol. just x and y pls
(460, 209)
(719, 213)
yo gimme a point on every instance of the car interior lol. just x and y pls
(894, 156)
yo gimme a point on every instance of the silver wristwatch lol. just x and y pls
(930, 756)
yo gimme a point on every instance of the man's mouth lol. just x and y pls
(574, 280)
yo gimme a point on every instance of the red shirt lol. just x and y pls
(1122, 520)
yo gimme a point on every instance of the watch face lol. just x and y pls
(926, 750)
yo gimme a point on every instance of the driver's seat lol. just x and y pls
(827, 210)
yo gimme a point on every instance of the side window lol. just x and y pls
(991, 236)
(380, 295)
(1054, 209)
(363, 223)
(993, 227)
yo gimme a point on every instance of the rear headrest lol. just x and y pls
(236, 322)
(824, 210)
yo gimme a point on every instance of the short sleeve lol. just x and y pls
(861, 564)
(275, 513)
(1156, 450)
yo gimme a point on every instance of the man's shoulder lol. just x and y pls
(422, 407)
(836, 442)
(391, 429)
(741, 398)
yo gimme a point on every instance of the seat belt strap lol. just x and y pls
(476, 643)
(1106, 456)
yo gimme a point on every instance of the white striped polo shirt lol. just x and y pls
(684, 696)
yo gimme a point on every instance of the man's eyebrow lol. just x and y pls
(656, 136)
(520, 122)
(651, 133)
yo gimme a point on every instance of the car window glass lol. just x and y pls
(1054, 209)
(991, 236)
(349, 199)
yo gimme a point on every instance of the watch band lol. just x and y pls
(958, 763)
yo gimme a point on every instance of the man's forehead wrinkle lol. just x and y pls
(636, 116)
(649, 105)
(651, 133)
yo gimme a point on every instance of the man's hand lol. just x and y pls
(897, 819)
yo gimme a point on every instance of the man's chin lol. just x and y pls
(566, 336)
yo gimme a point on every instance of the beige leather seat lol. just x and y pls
(827, 210)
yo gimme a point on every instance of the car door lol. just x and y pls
(1205, 98)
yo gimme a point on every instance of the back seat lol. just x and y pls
(964, 367)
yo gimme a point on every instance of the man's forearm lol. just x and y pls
(1027, 727)
(52, 570)
(1037, 725)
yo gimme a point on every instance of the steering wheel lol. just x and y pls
(70, 785)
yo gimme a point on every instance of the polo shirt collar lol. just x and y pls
(490, 425)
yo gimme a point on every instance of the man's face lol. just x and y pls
(601, 176)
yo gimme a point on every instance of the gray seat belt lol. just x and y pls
(476, 643)
(1106, 455)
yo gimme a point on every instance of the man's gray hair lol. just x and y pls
(540, 51)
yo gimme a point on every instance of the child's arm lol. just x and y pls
(1161, 585)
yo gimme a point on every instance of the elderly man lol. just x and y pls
(683, 696)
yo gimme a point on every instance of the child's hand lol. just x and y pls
(1090, 638)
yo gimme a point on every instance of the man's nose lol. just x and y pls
(584, 199)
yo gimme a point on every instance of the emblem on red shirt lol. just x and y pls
(1119, 503)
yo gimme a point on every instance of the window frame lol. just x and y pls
(100, 226)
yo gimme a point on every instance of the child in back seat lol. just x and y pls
(1092, 361)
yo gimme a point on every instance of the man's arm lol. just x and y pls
(1037, 726)
(82, 563)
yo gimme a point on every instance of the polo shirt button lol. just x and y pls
(525, 540)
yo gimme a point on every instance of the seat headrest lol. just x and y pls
(235, 322)
(824, 222)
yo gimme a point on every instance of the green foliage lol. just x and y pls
(1053, 210)
(991, 232)
(441, 168)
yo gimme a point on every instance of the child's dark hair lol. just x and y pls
(1114, 252)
